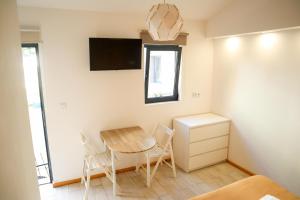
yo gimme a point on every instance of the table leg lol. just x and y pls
(113, 168)
(148, 169)
(139, 161)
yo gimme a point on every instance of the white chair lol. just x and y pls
(93, 160)
(163, 150)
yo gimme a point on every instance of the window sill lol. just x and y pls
(162, 103)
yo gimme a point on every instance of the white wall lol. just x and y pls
(105, 99)
(17, 172)
(257, 85)
(244, 16)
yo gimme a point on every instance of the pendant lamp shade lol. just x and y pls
(164, 22)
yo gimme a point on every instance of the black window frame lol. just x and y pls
(175, 96)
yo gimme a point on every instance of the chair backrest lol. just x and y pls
(89, 148)
(163, 135)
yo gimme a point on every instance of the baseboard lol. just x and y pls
(78, 180)
(241, 168)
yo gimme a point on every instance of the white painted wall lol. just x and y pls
(17, 172)
(257, 85)
(244, 16)
(105, 99)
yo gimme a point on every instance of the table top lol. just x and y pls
(127, 140)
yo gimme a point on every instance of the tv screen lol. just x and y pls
(115, 53)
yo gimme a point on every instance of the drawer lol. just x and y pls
(210, 131)
(207, 159)
(208, 145)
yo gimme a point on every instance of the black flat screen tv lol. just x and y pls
(115, 54)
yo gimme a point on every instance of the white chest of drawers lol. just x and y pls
(200, 140)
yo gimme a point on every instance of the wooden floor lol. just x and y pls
(163, 187)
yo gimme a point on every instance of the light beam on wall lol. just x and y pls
(233, 44)
(268, 40)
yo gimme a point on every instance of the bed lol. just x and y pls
(252, 188)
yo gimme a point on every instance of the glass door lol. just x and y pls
(34, 94)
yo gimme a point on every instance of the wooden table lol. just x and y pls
(126, 140)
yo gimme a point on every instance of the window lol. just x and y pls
(36, 111)
(162, 73)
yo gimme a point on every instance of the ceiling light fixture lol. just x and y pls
(164, 22)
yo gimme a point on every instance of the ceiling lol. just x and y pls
(190, 9)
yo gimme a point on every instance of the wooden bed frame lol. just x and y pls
(251, 188)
